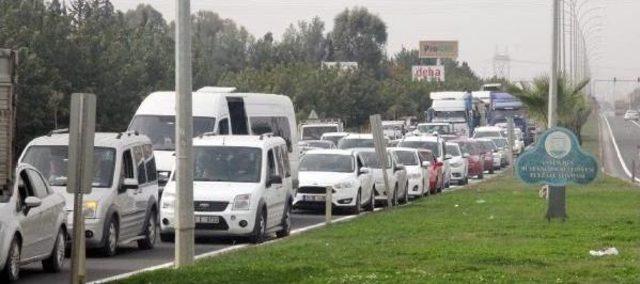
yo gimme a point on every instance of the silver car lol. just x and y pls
(32, 224)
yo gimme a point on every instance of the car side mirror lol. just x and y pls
(274, 180)
(364, 171)
(32, 202)
(128, 183)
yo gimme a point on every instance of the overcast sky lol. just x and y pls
(519, 27)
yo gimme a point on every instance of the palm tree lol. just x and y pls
(574, 107)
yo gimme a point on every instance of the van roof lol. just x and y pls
(256, 141)
(101, 139)
(205, 103)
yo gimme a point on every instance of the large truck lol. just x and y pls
(457, 108)
(7, 115)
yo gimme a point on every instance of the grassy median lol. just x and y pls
(494, 231)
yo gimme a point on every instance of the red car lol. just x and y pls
(435, 168)
(472, 151)
(487, 155)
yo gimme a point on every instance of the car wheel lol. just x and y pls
(355, 210)
(481, 176)
(286, 223)
(260, 228)
(394, 198)
(150, 232)
(55, 261)
(11, 270)
(491, 170)
(110, 239)
(405, 200)
(167, 237)
(372, 201)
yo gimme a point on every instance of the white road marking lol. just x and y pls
(615, 146)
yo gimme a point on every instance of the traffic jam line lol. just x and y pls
(615, 146)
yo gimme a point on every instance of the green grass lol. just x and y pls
(490, 232)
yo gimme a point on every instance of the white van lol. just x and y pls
(242, 187)
(123, 204)
(220, 111)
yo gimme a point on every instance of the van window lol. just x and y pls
(150, 163)
(38, 185)
(279, 126)
(279, 159)
(223, 127)
(285, 160)
(127, 165)
(162, 129)
(271, 165)
(139, 160)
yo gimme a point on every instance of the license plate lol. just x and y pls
(313, 198)
(207, 219)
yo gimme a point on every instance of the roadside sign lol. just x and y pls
(438, 49)
(557, 160)
(381, 149)
(427, 73)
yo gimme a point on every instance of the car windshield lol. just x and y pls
(370, 159)
(162, 129)
(227, 164)
(406, 158)
(315, 132)
(486, 134)
(333, 163)
(349, 143)
(51, 161)
(441, 129)
(500, 142)
(320, 144)
(468, 148)
(429, 145)
(333, 138)
(453, 150)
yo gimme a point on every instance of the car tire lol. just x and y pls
(150, 232)
(372, 202)
(167, 237)
(286, 223)
(11, 269)
(259, 228)
(355, 210)
(394, 197)
(481, 176)
(405, 199)
(55, 261)
(110, 246)
(492, 170)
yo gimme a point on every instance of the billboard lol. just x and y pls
(427, 73)
(438, 49)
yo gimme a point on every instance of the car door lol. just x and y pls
(48, 212)
(126, 199)
(32, 223)
(273, 191)
(148, 191)
(364, 180)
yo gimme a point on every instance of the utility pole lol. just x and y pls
(184, 232)
(557, 197)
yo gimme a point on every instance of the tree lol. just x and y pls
(574, 107)
(359, 36)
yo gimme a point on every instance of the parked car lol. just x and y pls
(474, 155)
(435, 169)
(496, 154)
(458, 163)
(488, 132)
(396, 174)
(352, 141)
(242, 187)
(333, 137)
(32, 224)
(417, 174)
(486, 152)
(436, 145)
(123, 204)
(503, 148)
(632, 115)
(344, 172)
(431, 128)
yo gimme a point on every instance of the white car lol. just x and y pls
(436, 145)
(32, 224)
(488, 132)
(396, 174)
(123, 204)
(458, 163)
(333, 136)
(340, 170)
(417, 174)
(632, 115)
(242, 187)
(503, 149)
(497, 154)
(353, 141)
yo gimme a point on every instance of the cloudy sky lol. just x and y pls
(520, 28)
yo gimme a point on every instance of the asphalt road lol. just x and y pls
(130, 258)
(626, 136)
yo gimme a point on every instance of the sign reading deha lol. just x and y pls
(557, 160)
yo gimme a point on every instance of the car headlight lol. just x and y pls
(89, 209)
(168, 200)
(242, 202)
(343, 185)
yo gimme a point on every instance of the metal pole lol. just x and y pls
(633, 171)
(80, 174)
(184, 239)
(381, 150)
(328, 207)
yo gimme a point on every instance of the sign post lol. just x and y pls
(381, 149)
(80, 174)
(511, 135)
(7, 115)
(557, 160)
